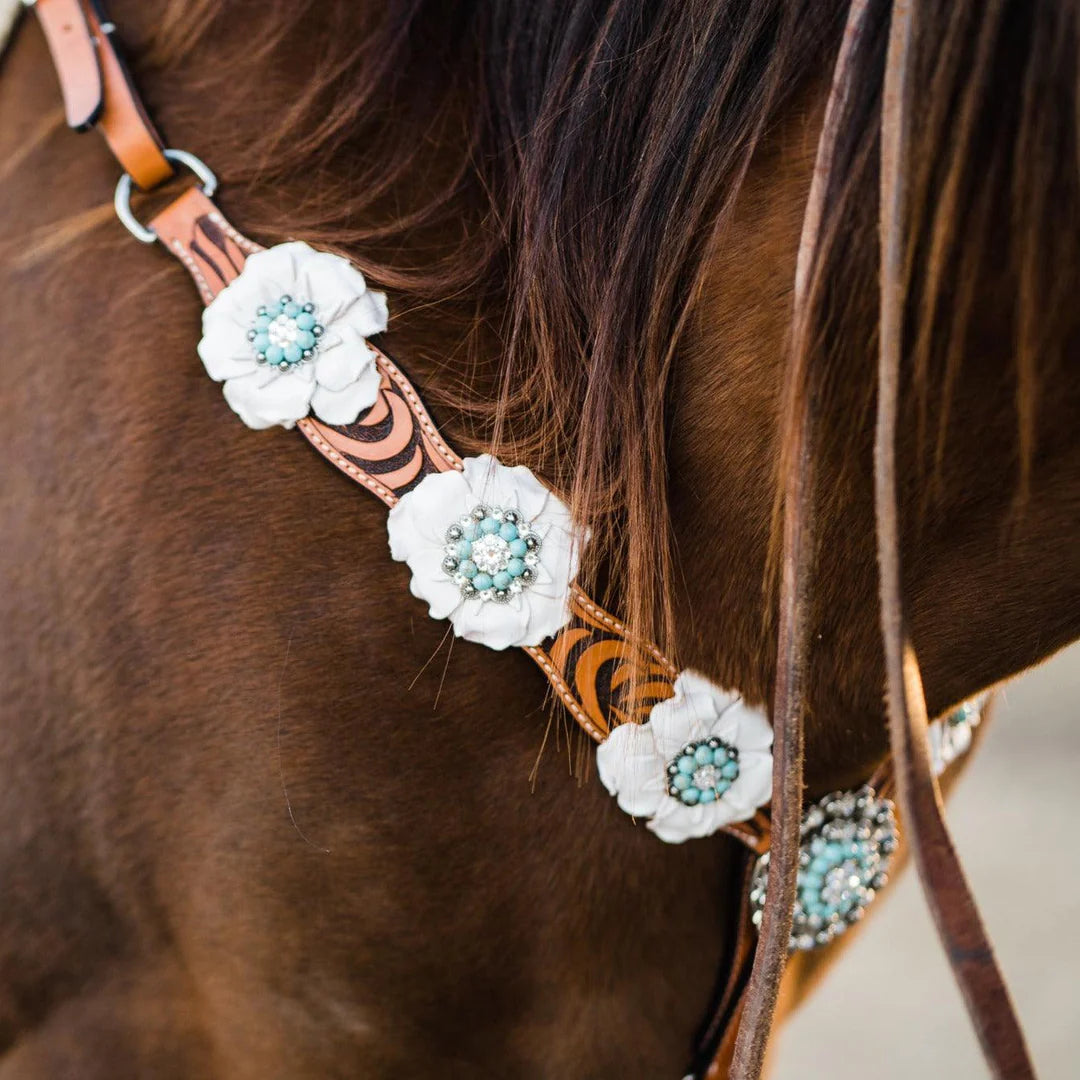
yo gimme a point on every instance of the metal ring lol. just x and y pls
(122, 198)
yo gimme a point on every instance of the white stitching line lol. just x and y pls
(347, 466)
(610, 620)
(188, 260)
(557, 681)
(238, 238)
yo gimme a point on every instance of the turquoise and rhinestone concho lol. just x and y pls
(492, 553)
(703, 771)
(848, 839)
(285, 334)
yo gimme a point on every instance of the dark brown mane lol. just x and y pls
(589, 197)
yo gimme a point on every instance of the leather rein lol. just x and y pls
(394, 446)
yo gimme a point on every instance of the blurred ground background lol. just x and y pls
(889, 1009)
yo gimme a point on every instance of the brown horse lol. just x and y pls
(261, 820)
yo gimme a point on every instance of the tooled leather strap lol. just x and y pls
(391, 447)
(96, 87)
(948, 895)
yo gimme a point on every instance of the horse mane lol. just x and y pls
(591, 155)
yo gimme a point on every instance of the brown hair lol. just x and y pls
(604, 148)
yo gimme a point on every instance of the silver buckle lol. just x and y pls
(122, 199)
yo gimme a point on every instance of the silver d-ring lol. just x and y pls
(122, 198)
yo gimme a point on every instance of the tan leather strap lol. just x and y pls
(97, 90)
(948, 895)
(75, 59)
(756, 1019)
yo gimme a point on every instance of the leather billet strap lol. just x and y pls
(97, 89)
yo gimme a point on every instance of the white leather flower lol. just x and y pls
(491, 549)
(288, 336)
(702, 761)
(952, 735)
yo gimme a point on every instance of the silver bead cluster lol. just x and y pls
(848, 839)
(492, 553)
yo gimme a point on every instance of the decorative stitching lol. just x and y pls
(188, 260)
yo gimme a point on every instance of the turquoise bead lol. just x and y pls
(820, 865)
(470, 531)
(293, 309)
(468, 568)
(508, 531)
(463, 549)
(707, 795)
(275, 354)
(502, 580)
(293, 353)
(305, 339)
(811, 881)
(687, 764)
(482, 582)
(720, 755)
(703, 755)
(690, 796)
(273, 311)
(262, 322)
(809, 898)
(729, 770)
(488, 526)
(518, 548)
(722, 786)
(261, 342)
(515, 567)
(681, 781)
(305, 320)
(834, 851)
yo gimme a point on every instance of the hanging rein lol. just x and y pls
(494, 555)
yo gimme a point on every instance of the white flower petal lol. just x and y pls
(263, 399)
(499, 485)
(693, 684)
(676, 822)
(754, 732)
(498, 626)
(367, 314)
(546, 617)
(227, 355)
(339, 365)
(631, 770)
(420, 518)
(431, 585)
(345, 405)
(752, 787)
(674, 725)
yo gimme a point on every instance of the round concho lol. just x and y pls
(847, 843)
(285, 334)
(702, 771)
(492, 553)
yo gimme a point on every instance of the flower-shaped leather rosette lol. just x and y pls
(288, 336)
(491, 549)
(700, 762)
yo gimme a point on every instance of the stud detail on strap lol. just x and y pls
(848, 839)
